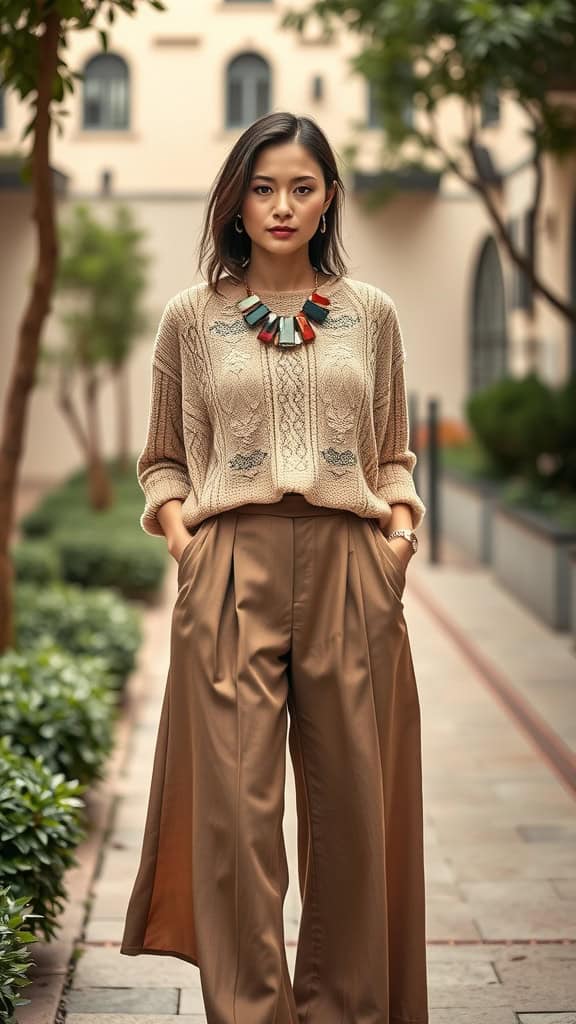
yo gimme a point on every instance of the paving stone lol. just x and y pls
(132, 1018)
(544, 978)
(104, 929)
(468, 997)
(495, 861)
(191, 1000)
(547, 833)
(109, 901)
(508, 891)
(491, 1015)
(102, 967)
(564, 887)
(123, 1000)
(446, 921)
(524, 920)
(450, 973)
(547, 1018)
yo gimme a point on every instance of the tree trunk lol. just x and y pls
(99, 486)
(122, 382)
(37, 309)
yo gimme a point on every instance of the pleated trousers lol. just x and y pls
(288, 625)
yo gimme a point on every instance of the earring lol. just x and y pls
(323, 228)
(241, 231)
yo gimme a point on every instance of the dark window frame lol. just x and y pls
(102, 117)
(248, 89)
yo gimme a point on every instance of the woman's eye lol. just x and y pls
(307, 187)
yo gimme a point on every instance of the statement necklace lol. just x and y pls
(285, 331)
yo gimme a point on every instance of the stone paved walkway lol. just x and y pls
(500, 823)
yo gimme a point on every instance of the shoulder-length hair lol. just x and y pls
(221, 247)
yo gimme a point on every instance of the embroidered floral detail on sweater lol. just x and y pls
(340, 459)
(246, 464)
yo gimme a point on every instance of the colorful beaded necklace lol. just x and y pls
(284, 331)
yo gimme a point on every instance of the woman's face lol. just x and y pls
(287, 190)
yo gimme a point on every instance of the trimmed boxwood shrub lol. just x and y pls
(59, 707)
(41, 823)
(100, 547)
(114, 557)
(15, 959)
(95, 622)
(35, 561)
(515, 421)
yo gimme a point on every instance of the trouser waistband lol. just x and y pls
(291, 504)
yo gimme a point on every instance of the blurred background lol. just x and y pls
(455, 131)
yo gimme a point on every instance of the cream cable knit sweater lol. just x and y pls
(233, 420)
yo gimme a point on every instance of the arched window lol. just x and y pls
(489, 336)
(374, 119)
(247, 90)
(106, 93)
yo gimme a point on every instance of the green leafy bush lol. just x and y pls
(35, 561)
(40, 826)
(117, 559)
(95, 622)
(59, 707)
(15, 959)
(100, 547)
(566, 419)
(515, 421)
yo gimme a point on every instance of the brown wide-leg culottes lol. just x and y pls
(288, 608)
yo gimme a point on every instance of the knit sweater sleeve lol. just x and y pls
(161, 468)
(396, 461)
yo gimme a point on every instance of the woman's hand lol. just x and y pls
(177, 542)
(403, 549)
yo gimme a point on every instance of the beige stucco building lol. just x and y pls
(153, 122)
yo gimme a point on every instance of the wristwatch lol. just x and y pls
(409, 534)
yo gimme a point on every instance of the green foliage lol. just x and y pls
(15, 959)
(35, 561)
(418, 52)
(102, 272)
(524, 436)
(121, 560)
(58, 707)
(21, 28)
(95, 622)
(99, 548)
(515, 421)
(40, 826)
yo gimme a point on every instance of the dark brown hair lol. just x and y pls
(221, 247)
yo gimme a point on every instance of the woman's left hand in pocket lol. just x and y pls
(403, 549)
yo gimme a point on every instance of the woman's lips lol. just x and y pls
(282, 232)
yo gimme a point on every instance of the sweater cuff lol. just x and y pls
(396, 486)
(159, 488)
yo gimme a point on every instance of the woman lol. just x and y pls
(275, 458)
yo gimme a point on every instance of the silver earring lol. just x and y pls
(241, 231)
(323, 228)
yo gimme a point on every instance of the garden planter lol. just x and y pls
(466, 507)
(531, 557)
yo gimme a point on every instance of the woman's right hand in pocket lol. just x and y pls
(177, 544)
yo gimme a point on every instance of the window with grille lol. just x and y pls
(247, 90)
(489, 335)
(106, 93)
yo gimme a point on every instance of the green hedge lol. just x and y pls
(95, 622)
(95, 548)
(527, 428)
(15, 959)
(59, 707)
(40, 826)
